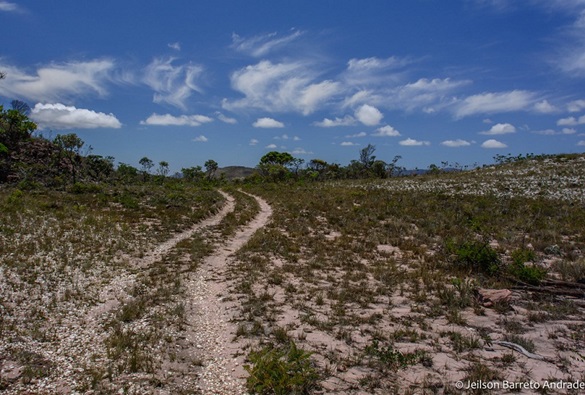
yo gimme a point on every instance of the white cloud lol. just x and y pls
(386, 131)
(313, 95)
(348, 120)
(486, 103)
(428, 94)
(283, 137)
(375, 63)
(360, 134)
(296, 138)
(571, 121)
(281, 87)
(491, 143)
(456, 143)
(201, 139)
(301, 151)
(176, 46)
(581, 143)
(8, 6)
(261, 45)
(348, 144)
(372, 71)
(552, 132)
(267, 123)
(576, 106)
(226, 119)
(253, 142)
(413, 143)
(57, 82)
(172, 84)
(171, 120)
(368, 115)
(500, 128)
(60, 116)
(271, 146)
(546, 132)
(545, 107)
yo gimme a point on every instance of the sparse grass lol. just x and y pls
(281, 371)
(349, 269)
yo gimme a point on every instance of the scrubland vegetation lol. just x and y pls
(364, 281)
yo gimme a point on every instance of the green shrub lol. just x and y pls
(128, 201)
(528, 274)
(393, 359)
(478, 255)
(523, 255)
(15, 197)
(81, 188)
(281, 371)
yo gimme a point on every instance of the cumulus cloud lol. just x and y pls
(413, 143)
(456, 143)
(280, 87)
(491, 143)
(581, 143)
(500, 128)
(545, 107)
(576, 106)
(57, 82)
(571, 121)
(172, 84)
(348, 144)
(271, 146)
(368, 115)
(201, 139)
(60, 116)
(267, 123)
(360, 134)
(348, 120)
(171, 120)
(226, 119)
(386, 131)
(253, 142)
(263, 44)
(486, 103)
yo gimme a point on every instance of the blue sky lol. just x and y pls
(185, 81)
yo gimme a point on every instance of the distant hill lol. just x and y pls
(234, 172)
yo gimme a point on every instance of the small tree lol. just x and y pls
(163, 168)
(274, 165)
(211, 167)
(126, 172)
(146, 164)
(192, 173)
(71, 145)
(99, 168)
(367, 157)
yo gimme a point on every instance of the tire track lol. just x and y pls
(211, 330)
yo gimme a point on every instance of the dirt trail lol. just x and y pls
(209, 313)
(111, 294)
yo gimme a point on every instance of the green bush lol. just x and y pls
(478, 255)
(393, 359)
(528, 274)
(281, 371)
